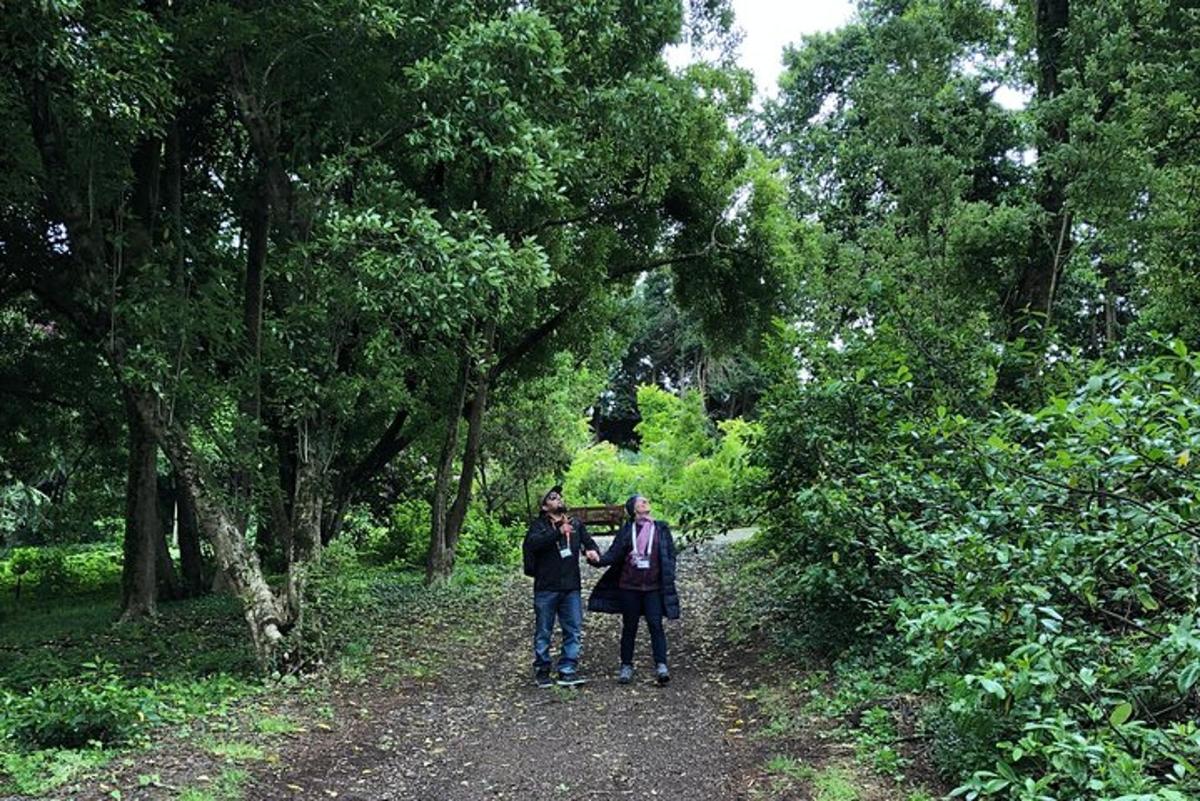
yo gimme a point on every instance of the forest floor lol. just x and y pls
(447, 711)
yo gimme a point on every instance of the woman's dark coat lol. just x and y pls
(605, 595)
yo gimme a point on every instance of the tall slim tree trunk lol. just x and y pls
(253, 291)
(142, 529)
(440, 560)
(466, 477)
(191, 559)
(169, 588)
(457, 513)
(1031, 305)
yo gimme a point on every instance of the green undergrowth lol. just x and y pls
(81, 695)
(1016, 589)
(856, 700)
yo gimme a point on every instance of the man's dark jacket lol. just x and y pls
(551, 571)
(606, 594)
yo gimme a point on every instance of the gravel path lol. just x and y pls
(480, 729)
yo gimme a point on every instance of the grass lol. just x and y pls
(196, 661)
(831, 783)
(235, 750)
(564, 695)
(778, 706)
(834, 784)
(276, 724)
(791, 768)
(226, 787)
(39, 772)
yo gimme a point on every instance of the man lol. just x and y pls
(551, 550)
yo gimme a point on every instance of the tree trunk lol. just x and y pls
(441, 567)
(191, 561)
(440, 561)
(269, 619)
(306, 533)
(1031, 305)
(169, 588)
(142, 529)
(466, 478)
(489, 502)
(253, 290)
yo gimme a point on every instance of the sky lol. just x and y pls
(769, 25)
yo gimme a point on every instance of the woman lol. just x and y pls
(639, 582)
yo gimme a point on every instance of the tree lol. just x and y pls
(297, 236)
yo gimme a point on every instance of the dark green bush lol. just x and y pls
(53, 569)
(1041, 569)
(96, 706)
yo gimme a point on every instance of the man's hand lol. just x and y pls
(567, 529)
(592, 556)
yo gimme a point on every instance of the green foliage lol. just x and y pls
(487, 541)
(94, 707)
(695, 475)
(407, 540)
(50, 570)
(21, 510)
(336, 591)
(602, 474)
(532, 431)
(37, 773)
(1038, 567)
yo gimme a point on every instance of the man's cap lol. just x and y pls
(556, 490)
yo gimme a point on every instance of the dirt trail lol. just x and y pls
(480, 729)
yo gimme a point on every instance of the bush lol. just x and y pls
(337, 595)
(52, 569)
(487, 541)
(405, 538)
(696, 476)
(96, 706)
(1040, 568)
(602, 474)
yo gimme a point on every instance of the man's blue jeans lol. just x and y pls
(568, 607)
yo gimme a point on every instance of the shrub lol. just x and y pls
(1040, 568)
(487, 541)
(407, 535)
(337, 596)
(601, 474)
(96, 706)
(53, 569)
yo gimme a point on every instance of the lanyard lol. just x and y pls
(649, 541)
(566, 535)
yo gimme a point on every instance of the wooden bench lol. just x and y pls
(600, 519)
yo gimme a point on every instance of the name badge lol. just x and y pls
(642, 563)
(565, 552)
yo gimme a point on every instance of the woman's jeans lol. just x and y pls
(635, 605)
(568, 607)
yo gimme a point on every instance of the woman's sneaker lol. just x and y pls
(626, 674)
(661, 674)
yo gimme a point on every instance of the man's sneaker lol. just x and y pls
(571, 679)
(626, 674)
(661, 674)
(542, 678)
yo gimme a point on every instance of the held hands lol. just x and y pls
(593, 558)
